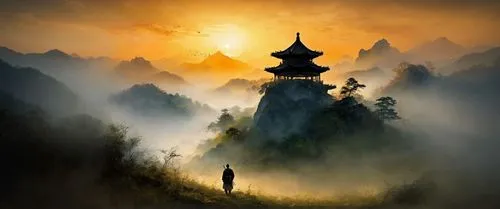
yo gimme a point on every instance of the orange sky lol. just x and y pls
(188, 30)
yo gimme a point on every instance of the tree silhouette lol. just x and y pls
(385, 109)
(234, 133)
(351, 87)
(224, 121)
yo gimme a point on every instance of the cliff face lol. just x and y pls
(286, 105)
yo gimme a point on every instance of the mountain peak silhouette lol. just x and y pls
(138, 66)
(437, 50)
(219, 59)
(56, 53)
(219, 53)
(217, 66)
(141, 62)
(381, 44)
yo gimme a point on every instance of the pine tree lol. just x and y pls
(385, 109)
(224, 121)
(351, 87)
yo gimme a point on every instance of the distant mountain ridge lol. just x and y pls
(141, 70)
(31, 86)
(217, 64)
(440, 52)
(488, 57)
(53, 61)
(150, 101)
(440, 48)
(381, 54)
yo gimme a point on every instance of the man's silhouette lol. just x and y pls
(227, 179)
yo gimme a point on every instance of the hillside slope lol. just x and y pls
(32, 86)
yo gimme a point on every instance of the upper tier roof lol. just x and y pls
(297, 69)
(297, 49)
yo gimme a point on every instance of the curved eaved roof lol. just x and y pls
(297, 49)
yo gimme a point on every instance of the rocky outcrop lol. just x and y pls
(286, 105)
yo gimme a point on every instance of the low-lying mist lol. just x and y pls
(452, 125)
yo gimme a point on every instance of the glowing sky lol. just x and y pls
(251, 29)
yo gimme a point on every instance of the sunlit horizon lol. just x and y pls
(190, 30)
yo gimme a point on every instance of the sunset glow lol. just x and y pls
(190, 30)
(229, 39)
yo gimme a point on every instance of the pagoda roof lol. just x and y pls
(297, 49)
(298, 69)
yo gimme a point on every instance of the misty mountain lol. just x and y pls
(165, 77)
(53, 62)
(485, 58)
(409, 77)
(381, 54)
(141, 70)
(31, 86)
(220, 60)
(11, 104)
(479, 83)
(150, 101)
(137, 66)
(215, 65)
(239, 85)
(72, 70)
(464, 96)
(439, 51)
(477, 80)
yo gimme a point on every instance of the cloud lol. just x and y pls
(170, 31)
(155, 28)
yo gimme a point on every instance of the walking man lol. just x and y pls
(227, 180)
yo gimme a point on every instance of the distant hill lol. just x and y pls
(441, 52)
(486, 58)
(409, 77)
(74, 71)
(217, 65)
(438, 51)
(149, 101)
(141, 70)
(53, 62)
(165, 77)
(31, 86)
(137, 66)
(241, 85)
(381, 54)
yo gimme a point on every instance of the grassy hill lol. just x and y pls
(79, 162)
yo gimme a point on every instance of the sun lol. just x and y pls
(229, 39)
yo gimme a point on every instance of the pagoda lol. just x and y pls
(297, 63)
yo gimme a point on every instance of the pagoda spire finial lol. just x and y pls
(298, 36)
